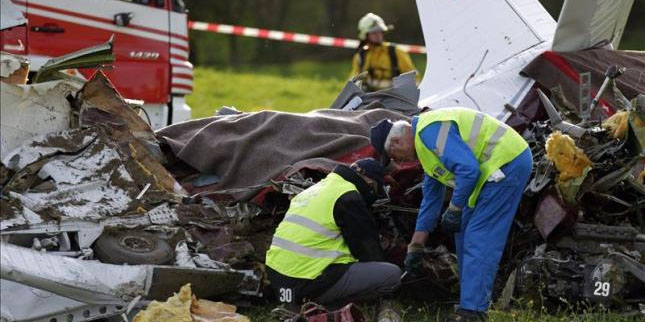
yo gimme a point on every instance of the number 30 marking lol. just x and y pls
(285, 295)
(602, 289)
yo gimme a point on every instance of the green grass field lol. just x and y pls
(249, 91)
(307, 86)
(429, 312)
(299, 87)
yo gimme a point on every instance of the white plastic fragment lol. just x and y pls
(143, 191)
(182, 255)
(10, 15)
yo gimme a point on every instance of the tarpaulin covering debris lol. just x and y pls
(252, 148)
(402, 97)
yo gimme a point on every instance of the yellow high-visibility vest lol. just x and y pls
(493, 143)
(308, 239)
(378, 61)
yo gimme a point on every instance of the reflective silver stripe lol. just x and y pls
(442, 138)
(303, 250)
(474, 132)
(492, 142)
(306, 222)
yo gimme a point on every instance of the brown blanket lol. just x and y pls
(252, 148)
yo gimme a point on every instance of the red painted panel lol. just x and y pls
(135, 77)
(14, 40)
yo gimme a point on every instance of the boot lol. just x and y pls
(467, 315)
(388, 311)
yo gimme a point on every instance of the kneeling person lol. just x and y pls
(326, 249)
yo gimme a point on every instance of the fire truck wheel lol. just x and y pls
(132, 247)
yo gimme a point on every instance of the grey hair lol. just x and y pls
(397, 131)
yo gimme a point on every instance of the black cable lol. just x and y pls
(144, 112)
(473, 75)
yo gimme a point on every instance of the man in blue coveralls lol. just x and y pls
(487, 164)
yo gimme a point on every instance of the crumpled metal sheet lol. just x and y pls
(550, 212)
(91, 173)
(232, 252)
(84, 281)
(24, 303)
(10, 15)
(583, 24)
(402, 97)
(13, 213)
(31, 110)
(596, 207)
(48, 145)
(10, 63)
(92, 183)
(101, 104)
(107, 174)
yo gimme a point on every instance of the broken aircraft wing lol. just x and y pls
(480, 55)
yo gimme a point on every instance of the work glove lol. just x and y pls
(414, 259)
(451, 220)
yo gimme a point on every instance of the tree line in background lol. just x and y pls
(336, 18)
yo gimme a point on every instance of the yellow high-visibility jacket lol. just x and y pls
(308, 239)
(377, 61)
(492, 142)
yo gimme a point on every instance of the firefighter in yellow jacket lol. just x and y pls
(382, 60)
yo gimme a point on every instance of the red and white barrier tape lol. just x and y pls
(289, 36)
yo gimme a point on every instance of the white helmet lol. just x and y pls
(370, 23)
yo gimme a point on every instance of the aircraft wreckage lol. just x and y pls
(88, 187)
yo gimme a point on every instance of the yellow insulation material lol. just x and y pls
(569, 159)
(616, 125)
(207, 311)
(638, 122)
(175, 309)
(185, 307)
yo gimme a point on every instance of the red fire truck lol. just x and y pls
(150, 46)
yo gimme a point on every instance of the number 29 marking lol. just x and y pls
(602, 289)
